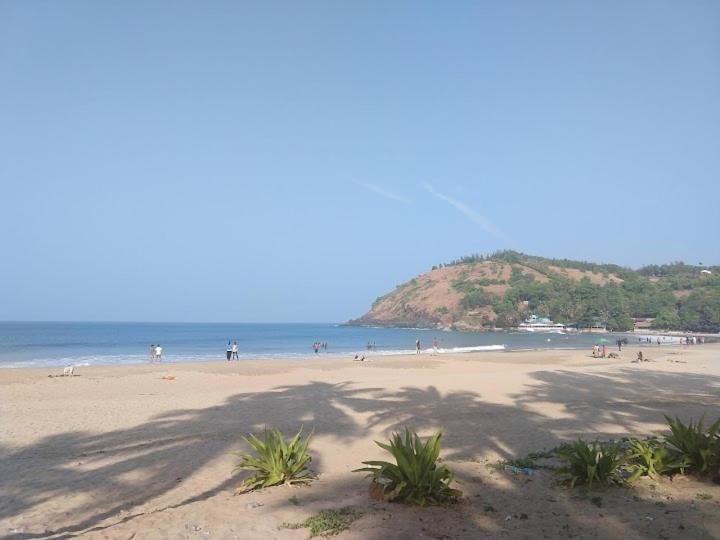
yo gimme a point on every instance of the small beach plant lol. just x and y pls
(651, 457)
(591, 463)
(698, 448)
(327, 522)
(276, 461)
(415, 477)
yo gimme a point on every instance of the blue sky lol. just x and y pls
(291, 161)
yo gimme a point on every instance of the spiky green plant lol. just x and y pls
(651, 457)
(700, 449)
(591, 463)
(276, 461)
(415, 477)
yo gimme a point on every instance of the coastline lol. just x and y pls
(119, 359)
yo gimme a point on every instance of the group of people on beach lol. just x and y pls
(418, 345)
(320, 345)
(231, 351)
(682, 340)
(155, 353)
(600, 351)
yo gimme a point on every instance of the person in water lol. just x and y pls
(417, 346)
(235, 350)
(228, 351)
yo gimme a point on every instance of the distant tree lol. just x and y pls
(667, 319)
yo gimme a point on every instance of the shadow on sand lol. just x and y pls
(124, 469)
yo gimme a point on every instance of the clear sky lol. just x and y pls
(291, 161)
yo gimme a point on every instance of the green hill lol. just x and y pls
(500, 290)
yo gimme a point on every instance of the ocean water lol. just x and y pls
(33, 344)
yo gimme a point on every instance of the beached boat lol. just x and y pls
(541, 324)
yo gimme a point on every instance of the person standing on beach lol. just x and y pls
(158, 353)
(228, 351)
(151, 354)
(417, 346)
(235, 350)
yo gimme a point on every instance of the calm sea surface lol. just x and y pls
(27, 344)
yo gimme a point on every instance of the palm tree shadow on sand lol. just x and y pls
(124, 472)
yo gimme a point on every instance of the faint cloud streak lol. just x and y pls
(484, 223)
(384, 192)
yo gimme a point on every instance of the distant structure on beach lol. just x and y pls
(542, 324)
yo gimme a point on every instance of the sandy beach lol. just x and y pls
(145, 451)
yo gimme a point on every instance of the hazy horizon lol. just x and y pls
(180, 162)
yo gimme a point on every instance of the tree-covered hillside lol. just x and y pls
(502, 289)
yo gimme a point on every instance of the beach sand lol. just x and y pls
(145, 451)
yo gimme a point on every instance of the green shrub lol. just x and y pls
(416, 477)
(327, 522)
(475, 299)
(592, 463)
(699, 449)
(652, 457)
(277, 461)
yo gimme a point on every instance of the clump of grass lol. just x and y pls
(530, 461)
(416, 477)
(592, 463)
(698, 448)
(524, 462)
(276, 461)
(652, 458)
(703, 497)
(688, 448)
(328, 522)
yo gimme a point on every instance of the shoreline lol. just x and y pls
(324, 361)
(368, 354)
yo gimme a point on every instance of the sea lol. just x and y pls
(39, 344)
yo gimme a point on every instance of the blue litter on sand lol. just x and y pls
(521, 470)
